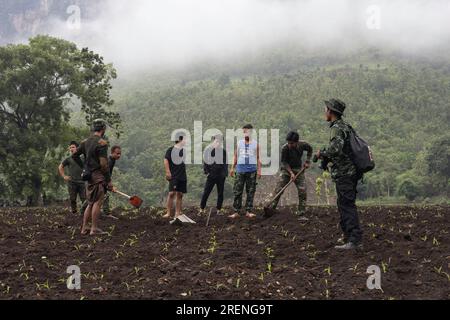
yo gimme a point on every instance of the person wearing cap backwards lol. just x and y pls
(95, 151)
(291, 165)
(343, 173)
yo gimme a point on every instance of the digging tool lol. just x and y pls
(268, 212)
(182, 219)
(209, 217)
(185, 219)
(135, 201)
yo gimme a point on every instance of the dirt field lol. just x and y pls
(278, 258)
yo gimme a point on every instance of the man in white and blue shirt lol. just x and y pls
(246, 170)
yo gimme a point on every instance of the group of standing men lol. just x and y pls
(245, 169)
(94, 194)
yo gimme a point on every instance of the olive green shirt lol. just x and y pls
(74, 170)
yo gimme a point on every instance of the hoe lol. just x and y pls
(268, 212)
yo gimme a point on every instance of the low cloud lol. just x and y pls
(151, 34)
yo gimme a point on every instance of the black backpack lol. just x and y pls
(86, 175)
(361, 152)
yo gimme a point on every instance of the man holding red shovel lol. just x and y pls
(292, 169)
(116, 154)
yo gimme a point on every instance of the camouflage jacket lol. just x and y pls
(339, 151)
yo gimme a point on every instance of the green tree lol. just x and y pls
(36, 82)
(408, 186)
(438, 158)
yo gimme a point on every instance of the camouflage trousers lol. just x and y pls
(249, 182)
(301, 190)
(76, 189)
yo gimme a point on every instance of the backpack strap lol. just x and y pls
(81, 165)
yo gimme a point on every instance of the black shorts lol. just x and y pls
(178, 186)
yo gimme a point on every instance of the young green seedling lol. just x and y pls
(212, 243)
(118, 254)
(269, 267)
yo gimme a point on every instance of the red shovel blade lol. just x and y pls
(136, 202)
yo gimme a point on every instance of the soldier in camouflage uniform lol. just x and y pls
(343, 173)
(75, 184)
(291, 165)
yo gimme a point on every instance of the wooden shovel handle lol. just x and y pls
(123, 194)
(287, 185)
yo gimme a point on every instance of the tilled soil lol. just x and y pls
(144, 257)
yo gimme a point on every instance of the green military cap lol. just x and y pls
(99, 124)
(336, 105)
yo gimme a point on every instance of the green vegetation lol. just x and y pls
(36, 83)
(400, 105)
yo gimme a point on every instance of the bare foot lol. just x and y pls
(250, 215)
(84, 231)
(234, 216)
(110, 216)
(97, 232)
(167, 216)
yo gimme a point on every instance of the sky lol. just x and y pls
(141, 34)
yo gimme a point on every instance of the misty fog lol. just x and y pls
(142, 33)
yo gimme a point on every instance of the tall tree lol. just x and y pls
(36, 82)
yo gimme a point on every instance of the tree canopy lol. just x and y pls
(37, 81)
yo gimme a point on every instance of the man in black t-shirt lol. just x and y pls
(215, 166)
(174, 164)
(291, 165)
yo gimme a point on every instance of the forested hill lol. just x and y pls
(400, 105)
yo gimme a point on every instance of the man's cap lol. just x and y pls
(336, 105)
(99, 124)
(179, 136)
(293, 136)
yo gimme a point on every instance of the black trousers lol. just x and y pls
(76, 189)
(346, 202)
(209, 186)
